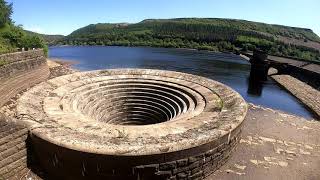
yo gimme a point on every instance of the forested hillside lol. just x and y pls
(14, 37)
(49, 39)
(203, 34)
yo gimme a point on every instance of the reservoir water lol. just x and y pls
(229, 69)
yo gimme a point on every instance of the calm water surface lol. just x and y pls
(229, 69)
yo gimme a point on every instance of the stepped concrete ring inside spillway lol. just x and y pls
(132, 124)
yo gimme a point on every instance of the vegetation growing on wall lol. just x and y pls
(3, 62)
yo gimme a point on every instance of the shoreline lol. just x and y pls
(62, 62)
(190, 49)
(60, 67)
(237, 52)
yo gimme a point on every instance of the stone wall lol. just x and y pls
(301, 90)
(310, 77)
(13, 151)
(21, 71)
(172, 167)
(195, 167)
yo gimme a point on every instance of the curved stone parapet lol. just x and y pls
(18, 71)
(132, 124)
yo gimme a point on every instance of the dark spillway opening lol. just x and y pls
(136, 103)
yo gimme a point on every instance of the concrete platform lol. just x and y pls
(274, 145)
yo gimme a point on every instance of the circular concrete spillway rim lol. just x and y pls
(56, 112)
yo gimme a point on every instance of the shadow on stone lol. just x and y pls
(32, 161)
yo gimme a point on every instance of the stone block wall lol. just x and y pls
(175, 166)
(21, 62)
(23, 69)
(20, 71)
(305, 75)
(194, 167)
(13, 151)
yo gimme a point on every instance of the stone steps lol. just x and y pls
(24, 173)
(15, 165)
(12, 86)
(13, 152)
(24, 70)
(118, 100)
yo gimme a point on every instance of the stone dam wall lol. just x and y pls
(13, 149)
(20, 71)
(310, 77)
(301, 90)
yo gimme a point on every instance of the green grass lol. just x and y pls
(253, 40)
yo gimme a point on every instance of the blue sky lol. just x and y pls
(64, 16)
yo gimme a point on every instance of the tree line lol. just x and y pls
(12, 37)
(187, 34)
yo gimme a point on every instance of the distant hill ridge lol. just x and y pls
(215, 34)
(271, 29)
(49, 39)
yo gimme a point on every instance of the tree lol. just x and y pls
(5, 12)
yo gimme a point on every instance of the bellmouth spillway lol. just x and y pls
(132, 123)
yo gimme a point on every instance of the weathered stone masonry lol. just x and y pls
(132, 124)
(115, 124)
(13, 151)
(21, 71)
(195, 167)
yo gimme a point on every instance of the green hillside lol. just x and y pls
(49, 39)
(200, 33)
(13, 38)
(275, 30)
